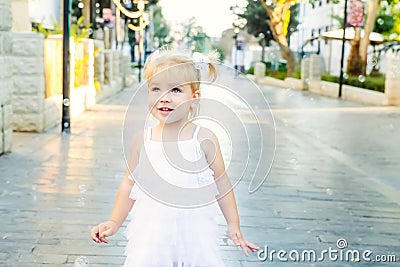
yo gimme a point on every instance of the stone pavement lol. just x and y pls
(335, 176)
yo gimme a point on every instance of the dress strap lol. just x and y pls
(148, 133)
(196, 132)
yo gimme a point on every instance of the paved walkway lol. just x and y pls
(335, 176)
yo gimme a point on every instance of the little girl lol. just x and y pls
(173, 220)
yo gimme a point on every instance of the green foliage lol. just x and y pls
(161, 27)
(375, 83)
(388, 20)
(79, 30)
(384, 23)
(339, 19)
(297, 73)
(195, 36)
(220, 51)
(257, 20)
(47, 32)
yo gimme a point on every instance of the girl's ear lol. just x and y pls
(196, 94)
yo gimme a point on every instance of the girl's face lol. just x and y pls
(170, 100)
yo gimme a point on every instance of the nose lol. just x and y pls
(165, 97)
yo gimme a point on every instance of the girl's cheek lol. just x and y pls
(152, 100)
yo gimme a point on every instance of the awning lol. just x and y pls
(374, 37)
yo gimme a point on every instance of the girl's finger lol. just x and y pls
(243, 245)
(244, 248)
(94, 234)
(251, 246)
(101, 233)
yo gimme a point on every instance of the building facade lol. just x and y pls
(313, 21)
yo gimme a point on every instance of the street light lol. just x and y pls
(65, 120)
(236, 32)
(144, 20)
(238, 24)
(342, 55)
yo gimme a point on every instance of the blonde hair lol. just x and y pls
(178, 63)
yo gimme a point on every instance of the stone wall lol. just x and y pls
(315, 72)
(28, 84)
(109, 62)
(103, 71)
(392, 82)
(5, 76)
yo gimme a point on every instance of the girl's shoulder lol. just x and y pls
(208, 140)
(205, 134)
(138, 140)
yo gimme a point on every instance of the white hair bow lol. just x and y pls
(200, 61)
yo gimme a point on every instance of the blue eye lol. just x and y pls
(176, 90)
(155, 89)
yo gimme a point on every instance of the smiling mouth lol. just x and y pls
(165, 109)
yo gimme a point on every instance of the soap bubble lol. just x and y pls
(373, 61)
(380, 21)
(82, 189)
(361, 78)
(81, 202)
(345, 76)
(329, 191)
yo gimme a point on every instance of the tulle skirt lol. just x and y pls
(163, 236)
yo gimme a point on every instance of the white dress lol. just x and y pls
(165, 231)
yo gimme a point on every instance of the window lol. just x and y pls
(312, 36)
(326, 29)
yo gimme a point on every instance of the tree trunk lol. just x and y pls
(288, 55)
(276, 26)
(354, 62)
(373, 9)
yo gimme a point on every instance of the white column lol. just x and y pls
(392, 89)
(5, 76)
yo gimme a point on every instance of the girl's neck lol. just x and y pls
(170, 131)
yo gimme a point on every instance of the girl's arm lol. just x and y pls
(123, 204)
(227, 203)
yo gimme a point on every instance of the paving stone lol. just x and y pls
(335, 175)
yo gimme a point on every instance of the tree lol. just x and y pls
(195, 36)
(357, 60)
(388, 21)
(257, 24)
(384, 20)
(279, 17)
(161, 28)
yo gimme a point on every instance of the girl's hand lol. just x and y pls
(103, 230)
(238, 239)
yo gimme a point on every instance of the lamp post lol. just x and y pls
(65, 120)
(144, 20)
(342, 56)
(238, 24)
(235, 36)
